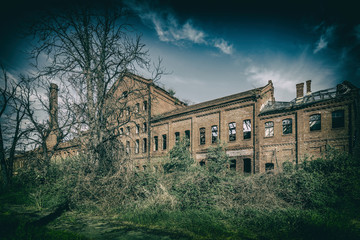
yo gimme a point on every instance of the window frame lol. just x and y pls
(284, 125)
(156, 143)
(248, 132)
(268, 126)
(164, 140)
(315, 126)
(232, 131)
(336, 119)
(214, 139)
(202, 136)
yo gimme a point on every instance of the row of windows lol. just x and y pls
(137, 146)
(137, 129)
(314, 123)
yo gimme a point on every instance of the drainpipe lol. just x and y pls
(296, 140)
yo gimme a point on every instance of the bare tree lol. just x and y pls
(12, 130)
(89, 50)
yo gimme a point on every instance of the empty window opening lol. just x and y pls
(144, 167)
(164, 140)
(269, 129)
(137, 107)
(144, 127)
(127, 130)
(128, 111)
(232, 131)
(337, 119)
(315, 122)
(156, 143)
(137, 129)
(145, 104)
(233, 164)
(214, 134)
(144, 145)
(202, 136)
(177, 137)
(202, 163)
(187, 137)
(137, 146)
(287, 126)
(247, 165)
(269, 166)
(247, 128)
(121, 131)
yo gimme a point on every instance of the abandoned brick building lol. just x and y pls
(259, 133)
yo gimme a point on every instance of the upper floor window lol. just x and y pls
(121, 131)
(121, 113)
(125, 94)
(156, 143)
(202, 136)
(164, 139)
(247, 128)
(127, 130)
(145, 105)
(337, 119)
(187, 136)
(269, 129)
(137, 107)
(128, 111)
(315, 122)
(144, 127)
(127, 147)
(137, 129)
(287, 126)
(232, 131)
(177, 136)
(214, 134)
(137, 146)
(144, 145)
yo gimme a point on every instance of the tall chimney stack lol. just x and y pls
(308, 87)
(53, 106)
(299, 90)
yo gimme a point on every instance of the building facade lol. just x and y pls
(259, 133)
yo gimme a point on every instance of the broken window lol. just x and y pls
(121, 131)
(144, 127)
(269, 129)
(233, 164)
(127, 130)
(177, 136)
(202, 163)
(127, 147)
(269, 166)
(137, 146)
(137, 129)
(125, 94)
(337, 119)
(156, 143)
(187, 137)
(145, 103)
(247, 165)
(232, 131)
(137, 107)
(144, 145)
(315, 122)
(287, 126)
(214, 134)
(202, 136)
(164, 139)
(247, 128)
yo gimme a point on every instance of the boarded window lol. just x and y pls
(144, 145)
(315, 122)
(247, 128)
(337, 119)
(269, 166)
(233, 164)
(156, 143)
(177, 136)
(137, 146)
(164, 141)
(287, 126)
(202, 136)
(269, 129)
(247, 165)
(232, 131)
(214, 134)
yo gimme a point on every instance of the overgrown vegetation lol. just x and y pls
(317, 199)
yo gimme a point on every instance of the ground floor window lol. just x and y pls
(233, 164)
(269, 166)
(247, 165)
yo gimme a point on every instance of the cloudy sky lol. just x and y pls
(217, 48)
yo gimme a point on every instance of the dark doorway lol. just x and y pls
(247, 165)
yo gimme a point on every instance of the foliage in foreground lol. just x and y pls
(318, 199)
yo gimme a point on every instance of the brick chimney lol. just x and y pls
(308, 87)
(51, 140)
(299, 90)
